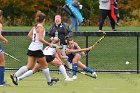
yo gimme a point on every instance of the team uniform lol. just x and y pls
(75, 65)
(71, 56)
(50, 57)
(36, 47)
(49, 54)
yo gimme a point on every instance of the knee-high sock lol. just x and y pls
(89, 70)
(74, 67)
(26, 74)
(63, 71)
(47, 74)
(2, 70)
(21, 71)
(70, 65)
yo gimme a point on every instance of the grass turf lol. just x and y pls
(105, 83)
(81, 28)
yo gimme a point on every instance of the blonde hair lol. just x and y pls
(55, 40)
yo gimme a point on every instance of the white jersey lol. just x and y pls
(36, 44)
(49, 51)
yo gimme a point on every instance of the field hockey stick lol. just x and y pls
(93, 46)
(79, 72)
(11, 56)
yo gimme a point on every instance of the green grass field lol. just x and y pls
(81, 28)
(111, 54)
(105, 83)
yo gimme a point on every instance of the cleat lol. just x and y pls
(71, 72)
(94, 75)
(50, 83)
(53, 81)
(14, 79)
(74, 77)
(68, 79)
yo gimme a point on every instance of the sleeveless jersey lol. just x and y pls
(49, 51)
(36, 44)
(71, 55)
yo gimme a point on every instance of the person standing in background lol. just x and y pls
(74, 21)
(61, 30)
(105, 10)
(2, 58)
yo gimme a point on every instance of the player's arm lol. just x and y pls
(40, 31)
(30, 34)
(69, 51)
(83, 52)
(3, 39)
(57, 56)
(60, 54)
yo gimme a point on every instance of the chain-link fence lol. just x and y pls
(111, 54)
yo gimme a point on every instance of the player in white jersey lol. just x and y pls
(35, 52)
(53, 56)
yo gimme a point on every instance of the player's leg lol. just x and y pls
(30, 72)
(62, 69)
(88, 69)
(44, 65)
(75, 65)
(23, 69)
(2, 70)
(63, 51)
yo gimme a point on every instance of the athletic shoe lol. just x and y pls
(68, 79)
(4, 85)
(74, 77)
(53, 81)
(14, 79)
(71, 72)
(114, 30)
(94, 75)
(100, 30)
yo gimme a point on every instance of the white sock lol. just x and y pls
(70, 65)
(21, 71)
(63, 71)
(26, 74)
(47, 74)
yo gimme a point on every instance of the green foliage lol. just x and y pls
(134, 20)
(21, 12)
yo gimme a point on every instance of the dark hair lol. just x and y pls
(39, 17)
(68, 39)
(1, 12)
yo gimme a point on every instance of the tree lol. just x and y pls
(23, 9)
